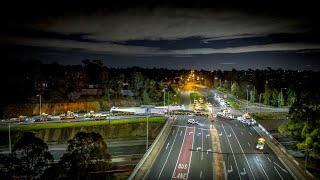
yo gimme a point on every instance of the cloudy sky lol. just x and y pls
(173, 35)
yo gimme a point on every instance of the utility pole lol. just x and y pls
(168, 103)
(39, 105)
(110, 124)
(9, 139)
(247, 98)
(147, 133)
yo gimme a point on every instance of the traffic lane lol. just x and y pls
(265, 160)
(163, 166)
(273, 161)
(207, 162)
(182, 167)
(230, 162)
(197, 156)
(245, 169)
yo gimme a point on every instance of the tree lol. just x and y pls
(145, 97)
(86, 153)
(252, 96)
(236, 90)
(266, 95)
(281, 100)
(291, 97)
(30, 157)
(274, 97)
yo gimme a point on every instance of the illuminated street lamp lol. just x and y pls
(39, 95)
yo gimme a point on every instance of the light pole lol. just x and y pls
(109, 125)
(9, 138)
(247, 98)
(147, 133)
(39, 95)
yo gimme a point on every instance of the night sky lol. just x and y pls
(170, 34)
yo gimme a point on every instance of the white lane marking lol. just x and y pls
(244, 172)
(248, 144)
(250, 133)
(243, 152)
(202, 144)
(257, 159)
(198, 134)
(280, 167)
(168, 154)
(278, 172)
(200, 174)
(263, 171)
(229, 135)
(191, 154)
(185, 133)
(224, 169)
(198, 148)
(232, 152)
(269, 159)
(167, 146)
(208, 135)
(190, 133)
(180, 133)
(220, 134)
(230, 170)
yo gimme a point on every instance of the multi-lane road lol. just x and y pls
(188, 152)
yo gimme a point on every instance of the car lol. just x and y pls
(192, 121)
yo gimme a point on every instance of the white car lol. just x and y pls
(192, 121)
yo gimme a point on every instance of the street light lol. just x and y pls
(247, 98)
(39, 95)
(9, 138)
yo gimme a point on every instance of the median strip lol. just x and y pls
(217, 159)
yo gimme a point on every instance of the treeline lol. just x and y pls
(86, 157)
(270, 87)
(22, 81)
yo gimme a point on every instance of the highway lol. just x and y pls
(241, 159)
(187, 152)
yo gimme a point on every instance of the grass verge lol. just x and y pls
(32, 127)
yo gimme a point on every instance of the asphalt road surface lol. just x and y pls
(186, 153)
(241, 159)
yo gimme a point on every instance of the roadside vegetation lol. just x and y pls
(87, 157)
(40, 126)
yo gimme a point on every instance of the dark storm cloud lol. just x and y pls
(163, 31)
(101, 32)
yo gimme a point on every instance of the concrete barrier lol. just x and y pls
(142, 168)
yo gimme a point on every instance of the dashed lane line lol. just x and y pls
(168, 154)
